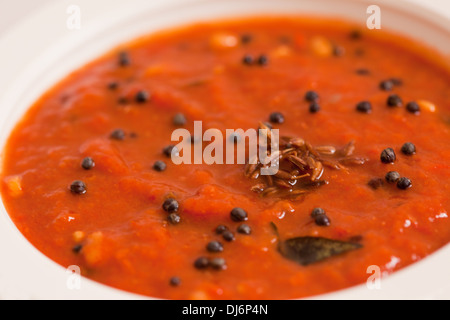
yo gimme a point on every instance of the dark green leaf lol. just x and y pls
(307, 250)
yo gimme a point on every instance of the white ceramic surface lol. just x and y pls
(40, 50)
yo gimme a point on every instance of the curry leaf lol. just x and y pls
(307, 250)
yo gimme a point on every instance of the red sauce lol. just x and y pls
(118, 228)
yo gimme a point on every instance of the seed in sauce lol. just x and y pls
(179, 119)
(314, 107)
(388, 155)
(408, 149)
(174, 218)
(316, 212)
(87, 163)
(320, 217)
(375, 183)
(413, 107)
(220, 229)
(244, 229)
(322, 220)
(124, 59)
(214, 246)
(228, 235)
(311, 96)
(117, 134)
(246, 38)
(175, 281)
(170, 205)
(142, 96)
(201, 263)
(404, 183)
(392, 176)
(386, 85)
(276, 117)
(364, 107)
(77, 248)
(355, 35)
(238, 214)
(247, 60)
(159, 166)
(218, 263)
(263, 60)
(78, 187)
(394, 101)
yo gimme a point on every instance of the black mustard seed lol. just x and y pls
(218, 263)
(311, 96)
(314, 107)
(388, 155)
(174, 218)
(142, 96)
(78, 187)
(87, 163)
(375, 183)
(364, 107)
(316, 212)
(238, 214)
(117, 134)
(276, 117)
(408, 149)
(214, 246)
(179, 119)
(413, 107)
(386, 85)
(244, 229)
(322, 220)
(220, 229)
(394, 101)
(404, 183)
(170, 205)
(201, 263)
(124, 59)
(392, 176)
(159, 166)
(175, 281)
(228, 235)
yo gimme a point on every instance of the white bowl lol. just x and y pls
(41, 50)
